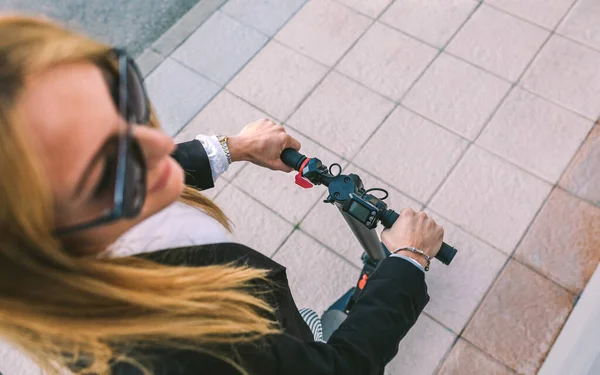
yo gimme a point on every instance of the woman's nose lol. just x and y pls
(155, 144)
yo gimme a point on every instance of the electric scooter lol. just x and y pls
(362, 211)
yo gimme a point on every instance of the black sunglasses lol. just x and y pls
(132, 102)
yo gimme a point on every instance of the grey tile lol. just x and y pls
(254, 225)
(317, 276)
(582, 24)
(220, 47)
(265, 15)
(277, 80)
(491, 198)
(178, 93)
(148, 61)
(371, 8)
(423, 348)
(458, 289)
(186, 25)
(456, 95)
(220, 185)
(340, 114)
(498, 42)
(537, 135)
(433, 21)
(324, 30)
(546, 13)
(387, 61)
(567, 73)
(411, 153)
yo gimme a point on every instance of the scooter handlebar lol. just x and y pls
(446, 253)
(294, 159)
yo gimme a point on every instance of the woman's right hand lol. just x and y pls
(416, 230)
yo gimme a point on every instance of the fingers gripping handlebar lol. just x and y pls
(387, 217)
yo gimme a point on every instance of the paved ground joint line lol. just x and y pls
(439, 53)
(495, 111)
(223, 86)
(560, 21)
(196, 27)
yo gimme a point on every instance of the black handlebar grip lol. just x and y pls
(446, 253)
(292, 158)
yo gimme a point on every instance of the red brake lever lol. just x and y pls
(301, 181)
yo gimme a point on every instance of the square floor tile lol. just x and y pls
(265, 15)
(185, 26)
(411, 153)
(563, 242)
(225, 114)
(546, 13)
(582, 177)
(520, 318)
(498, 42)
(341, 114)
(491, 198)
(253, 224)
(278, 190)
(177, 94)
(465, 359)
(422, 349)
(309, 270)
(277, 79)
(387, 61)
(336, 234)
(456, 290)
(220, 185)
(432, 21)
(582, 24)
(323, 30)
(567, 73)
(220, 47)
(535, 134)
(371, 8)
(457, 95)
(148, 61)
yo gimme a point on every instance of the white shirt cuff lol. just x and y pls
(410, 260)
(216, 155)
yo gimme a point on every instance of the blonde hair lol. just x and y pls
(62, 308)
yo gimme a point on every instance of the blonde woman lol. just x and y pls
(110, 264)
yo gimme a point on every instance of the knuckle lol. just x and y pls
(407, 212)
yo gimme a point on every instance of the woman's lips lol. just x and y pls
(162, 181)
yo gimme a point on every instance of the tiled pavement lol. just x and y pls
(481, 112)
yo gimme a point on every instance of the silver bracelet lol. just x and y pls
(415, 250)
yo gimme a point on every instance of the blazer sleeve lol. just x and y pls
(195, 163)
(389, 306)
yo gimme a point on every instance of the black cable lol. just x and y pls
(335, 165)
(379, 189)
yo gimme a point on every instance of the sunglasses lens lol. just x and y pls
(138, 108)
(135, 181)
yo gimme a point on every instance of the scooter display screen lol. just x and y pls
(360, 212)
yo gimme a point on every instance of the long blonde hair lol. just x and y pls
(62, 308)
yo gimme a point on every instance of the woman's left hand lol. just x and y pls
(262, 142)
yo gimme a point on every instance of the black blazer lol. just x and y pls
(368, 339)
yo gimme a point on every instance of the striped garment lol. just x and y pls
(313, 321)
